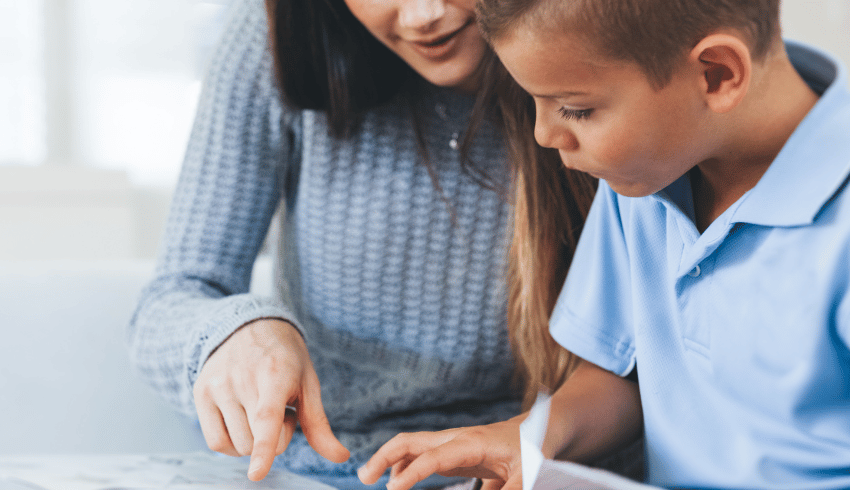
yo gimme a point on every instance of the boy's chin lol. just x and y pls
(630, 189)
(623, 187)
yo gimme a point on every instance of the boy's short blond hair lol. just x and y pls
(655, 34)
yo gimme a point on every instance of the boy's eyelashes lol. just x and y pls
(574, 114)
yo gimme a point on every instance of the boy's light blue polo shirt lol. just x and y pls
(740, 334)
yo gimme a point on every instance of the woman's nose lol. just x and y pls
(421, 15)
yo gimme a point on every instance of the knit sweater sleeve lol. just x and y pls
(222, 206)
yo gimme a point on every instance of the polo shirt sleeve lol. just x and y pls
(592, 317)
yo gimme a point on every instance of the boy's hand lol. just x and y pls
(243, 391)
(490, 452)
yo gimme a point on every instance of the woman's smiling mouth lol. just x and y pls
(439, 47)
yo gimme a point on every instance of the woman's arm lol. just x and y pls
(198, 336)
(220, 212)
(593, 413)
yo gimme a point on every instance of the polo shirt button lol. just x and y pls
(695, 272)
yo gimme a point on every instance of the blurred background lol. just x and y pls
(96, 104)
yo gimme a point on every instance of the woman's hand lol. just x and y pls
(490, 452)
(243, 391)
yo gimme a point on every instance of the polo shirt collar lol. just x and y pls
(815, 161)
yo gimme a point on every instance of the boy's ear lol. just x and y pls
(725, 66)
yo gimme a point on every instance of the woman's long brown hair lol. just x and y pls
(551, 203)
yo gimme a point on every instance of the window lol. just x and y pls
(105, 83)
(22, 130)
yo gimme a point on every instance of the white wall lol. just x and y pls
(66, 382)
(824, 23)
(63, 212)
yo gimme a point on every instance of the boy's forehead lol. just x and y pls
(544, 63)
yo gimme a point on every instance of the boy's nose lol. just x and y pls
(421, 14)
(553, 135)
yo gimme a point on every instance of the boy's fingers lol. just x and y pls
(392, 454)
(399, 467)
(491, 484)
(315, 425)
(514, 482)
(487, 484)
(454, 458)
(399, 451)
(418, 469)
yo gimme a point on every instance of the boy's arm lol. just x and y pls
(593, 413)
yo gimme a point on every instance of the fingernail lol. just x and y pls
(360, 472)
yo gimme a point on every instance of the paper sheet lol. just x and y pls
(189, 471)
(539, 473)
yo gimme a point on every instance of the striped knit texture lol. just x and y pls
(397, 286)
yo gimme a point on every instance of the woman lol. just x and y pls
(392, 250)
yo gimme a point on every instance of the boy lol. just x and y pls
(714, 259)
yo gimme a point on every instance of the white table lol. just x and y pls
(178, 471)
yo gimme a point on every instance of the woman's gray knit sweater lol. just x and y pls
(399, 290)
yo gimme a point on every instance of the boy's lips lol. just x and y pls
(570, 162)
(438, 46)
